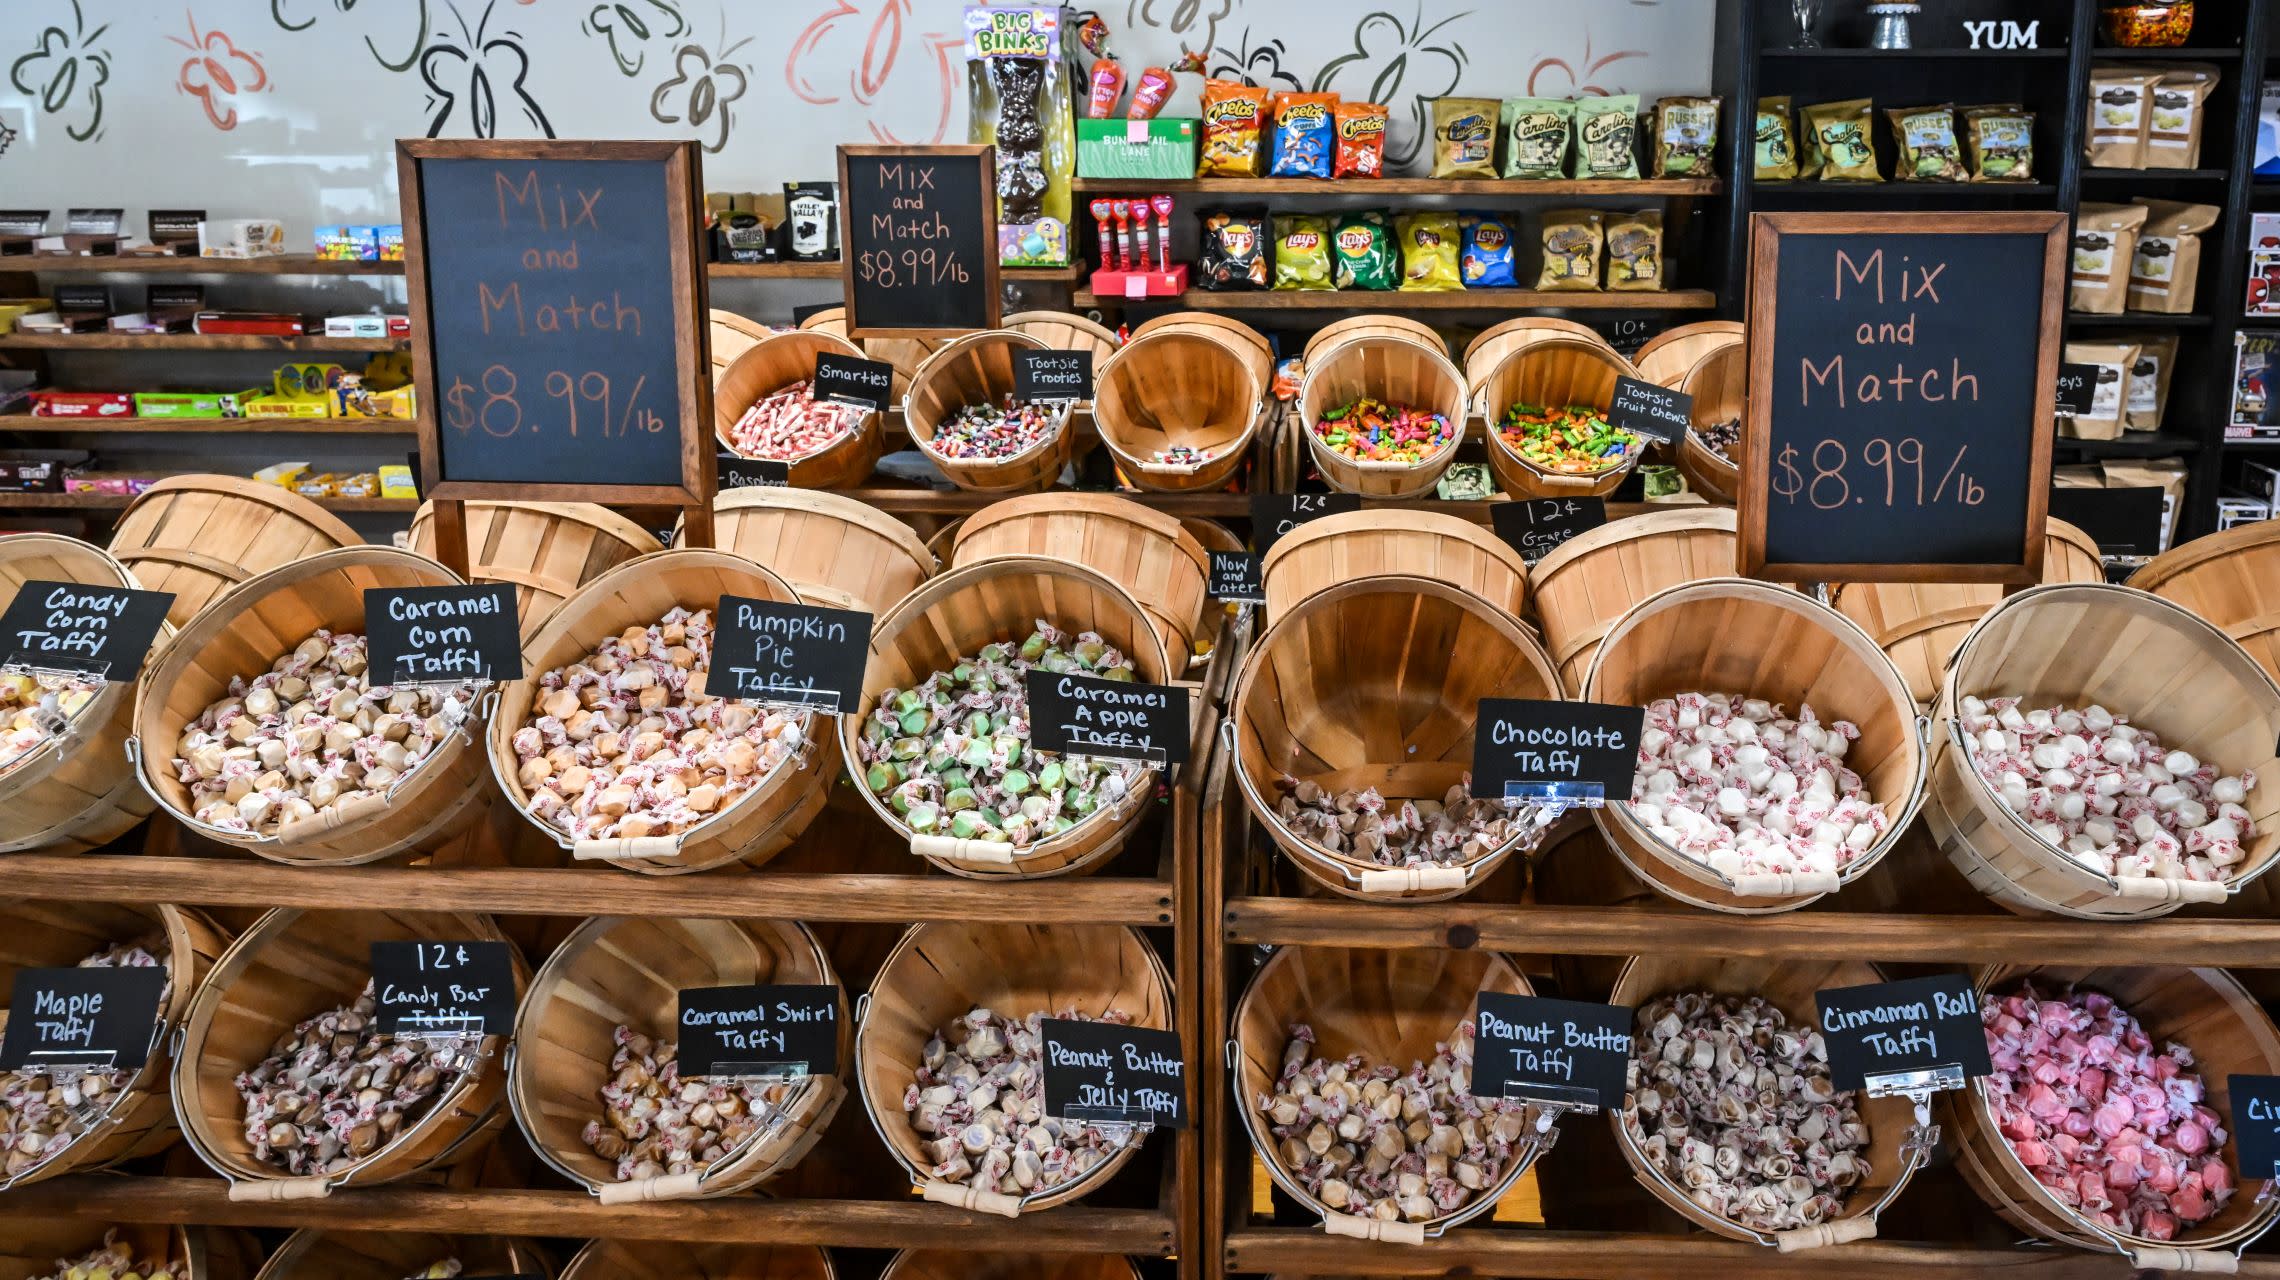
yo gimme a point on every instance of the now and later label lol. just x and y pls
(1104, 1072)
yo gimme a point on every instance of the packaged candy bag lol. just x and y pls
(1428, 251)
(1776, 141)
(1361, 140)
(1572, 240)
(1488, 258)
(1925, 139)
(1105, 88)
(1150, 92)
(1362, 252)
(1302, 251)
(1234, 116)
(1464, 137)
(1303, 129)
(1607, 137)
(1686, 137)
(1837, 142)
(1234, 254)
(1536, 135)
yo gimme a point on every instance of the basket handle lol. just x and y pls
(1171, 468)
(270, 1190)
(630, 847)
(1360, 1228)
(2165, 889)
(2153, 1257)
(974, 1198)
(1414, 879)
(327, 821)
(1822, 1235)
(673, 1186)
(1784, 884)
(953, 849)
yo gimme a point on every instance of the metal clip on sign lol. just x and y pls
(757, 1073)
(18, 665)
(1918, 1087)
(1553, 1101)
(460, 1036)
(1115, 1123)
(66, 1076)
(1559, 797)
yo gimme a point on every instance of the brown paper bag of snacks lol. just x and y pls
(1776, 141)
(2002, 142)
(1925, 138)
(2165, 266)
(2165, 474)
(2149, 380)
(2175, 115)
(1635, 251)
(2077, 477)
(2110, 398)
(2120, 101)
(2105, 238)
(1572, 242)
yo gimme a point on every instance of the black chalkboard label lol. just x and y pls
(800, 314)
(1628, 333)
(1924, 1029)
(759, 1031)
(1572, 1052)
(1535, 527)
(2077, 388)
(753, 473)
(919, 233)
(2123, 522)
(78, 627)
(1653, 411)
(853, 380)
(1275, 514)
(799, 655)
(443, 989)
(1040, 374)
(2255, 1123)
(443, 635)
(1101, 1072)
(1582, 753)
(1115, 719)
(1235, 576)
(82, 1017)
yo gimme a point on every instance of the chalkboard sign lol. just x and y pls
(853, 380)
(2255, 1123)
(1571, 1052)
(82, 628)
(1275, 514)
(918, 240)
(1103, 1072)
(801, 314)
(1116, 719)
(2077, 388)
(1923, 1033)
(2123, 522)
(796, 654)
(1043, 374)
(753, 473)
(1900, 413)
(1235, 576)
(1581, 753)
(443, 635)
(1535, 527)
(559, 319)
(443, 989)
(759, 1032)
(1656, 412)
(82, 1017)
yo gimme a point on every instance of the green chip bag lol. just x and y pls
(1536, 135)
(1362, 255)
(1302, 251)
(1607, 137)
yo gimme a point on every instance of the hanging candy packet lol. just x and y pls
(1149, 93)
(1428, 251)
(1487, 261)
(1361, 140)
(1303, 128)
(1233, 114)
(1107, 86)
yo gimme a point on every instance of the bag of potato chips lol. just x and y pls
(1572, 240)
(1233, 114)
(1536, 134)
(1428, 251)
(1362, 254)
(1634, 251)
(1686, 137)
(1302, 251)
(1837, 142)
(1925, 138)
(1607, 137)
(1776, 141)
(1464, 137)
(1361, 140)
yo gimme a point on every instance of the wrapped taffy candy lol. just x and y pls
(38, 1112)
(34, 709)
(655, 1123)
(979, 1096)
(334, 1090)
(116, 1261)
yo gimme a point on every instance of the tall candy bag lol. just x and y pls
(1022, 104)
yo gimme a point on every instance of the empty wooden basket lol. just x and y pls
(618, 971)
(667, 1260)
(1719, 383)
(293, 966)
(1593, 579)
(1239, 337)
(2232, 579)
(1398, 371)
(1551, 374)
(948, 620)
(75, 791)
(1145, 551)
(1489, 347)
(834, 550)
(545, 550)
(260, 621)
(1751, 639)
(776, 363)
(1322, 553)
(395, 1255)
(2147, 661)
(978, 369)
(957, 1264)
(1666, 358)
(1177, 389)
(37, 1246)
(2228, 1032)
(1376, 683)
(1392, 1007)
(1066, 331)
(940, 972)
(1372, 326)
(730, 335)
(1789, 985)
(750, 827)
(199, 535)
(138, 1117)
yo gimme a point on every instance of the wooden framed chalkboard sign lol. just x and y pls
(558, 309)
(918, 243)
(1902, 374)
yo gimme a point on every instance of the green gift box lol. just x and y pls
(191, 404)
(1146, 150)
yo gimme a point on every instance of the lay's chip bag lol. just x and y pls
(1304, 135)
(1362, 254)
(1487, 261)
(1428, 251)
(1302, 251)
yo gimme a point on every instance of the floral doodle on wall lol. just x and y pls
(1557, 77)
(629, 25)
(475, 71)
(701, 90)
(1198, 19)
(1255, 64)
(890, 39)
(385, 15)
(65, 73)
(1396, 62)
(217, 67)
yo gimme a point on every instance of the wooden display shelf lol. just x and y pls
(2154, 175)
(866, 1224)
(193, 342)
(794, 270)
(214, 426)
(1902, 190)
(116, 501)
(2130, 444)
(1216, 503)
(2135, 320)
(1553, 188)
(152, 264)
(1398, 300)
(2185, 53)
(1921, 55)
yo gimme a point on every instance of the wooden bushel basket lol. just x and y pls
(77, 790)
(905, 354)
(1719, 383)
(1489, 347)
(292, 966)
(34, 1246)
(138, 1118)
(1553, 373)
(262, 620)
(1789, 985)
(1398, 371)
(1372, 326)
(1177, 388)
(751, 827)
(544, 550)
(730, 335)
(666, 1260)
(1594, 578)
(1391, 1007)
(1669, 356)
(199, 535)
(948, 620)
(2149, 662)
(618, 971)
(1322, 553)
(833, 550)
(2232, 579)
(1754, 640)
(776, 363)
(978, 369)
(1145, 551)
(1919, 624)
(1066, 331)
(954, 1264)
(939, 972)
(395, 1255)
(2207, 1011)
(1376, 683)
(1239, 337)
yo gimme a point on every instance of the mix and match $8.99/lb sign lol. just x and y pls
(919, 240)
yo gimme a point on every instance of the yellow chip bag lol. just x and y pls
(1428, 251)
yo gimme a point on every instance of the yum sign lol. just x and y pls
(1992, 34)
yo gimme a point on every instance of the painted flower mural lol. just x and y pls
(1404, 63)
(395, 31)
(629, 26)
(470, 75)
(216, 71)
(856, 49)
(701, 91)
(65, 73)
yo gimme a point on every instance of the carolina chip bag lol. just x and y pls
(1536, 136)
(1607, 137)
(1837, 142)
(1361, 252)
(1776, 141)
(1361, 140)
(1302, 251)
(2002, 142)
(1303, 129)
(1428, 251)
(1234, 116)
(1686, 137)
(1634, 250)
(1572, 241)
(1234, 254)
(1464, 137)
(1486, 262)
(1925, 138)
